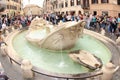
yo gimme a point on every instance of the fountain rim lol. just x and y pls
(17, 59)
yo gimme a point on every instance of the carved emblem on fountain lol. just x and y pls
(86, 59)
(37, 23)
(61, 37)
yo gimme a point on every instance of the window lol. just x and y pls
(118, 14)
(59, 5)
(8, 6)
(78, 2)
(72, 2)
(94, 13)
(94, 1)
(118, 2)
(62, 5)
(85, 3)
(56, 6)
(15, 1)
(66, 3)
(104, 1)
(13, 7)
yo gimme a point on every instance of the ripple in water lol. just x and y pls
(62, 64)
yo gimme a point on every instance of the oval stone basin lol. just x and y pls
(59, 61)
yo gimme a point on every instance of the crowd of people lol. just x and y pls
(95, 22)
(109, 24)
(6, 22)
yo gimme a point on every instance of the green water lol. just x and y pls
(55, 62)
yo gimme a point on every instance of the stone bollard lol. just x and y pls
(26, 67)
(102, 32)
(2, 48)
(6, 32)
(47, 30)
(61, 22)
(3, 37)
(13, 28)
(118, 41)
(20, 27)
(108, 70)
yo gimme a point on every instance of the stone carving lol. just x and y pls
(108, 70)
(118, 41)
(3, 49)
(38, 23)
(26, 67)
(102, 32)
(61, 38)
(86, 59)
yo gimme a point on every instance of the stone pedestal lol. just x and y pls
(118, 41)
(13, 28)
(103, 32)
(26, 67)
(108, 71)
(2, 48)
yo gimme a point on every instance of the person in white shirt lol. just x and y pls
(68, 17)
(4, 27)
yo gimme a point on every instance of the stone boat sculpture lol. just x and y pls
(86, 59)
(60, 37)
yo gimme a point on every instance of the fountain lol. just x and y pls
(50, 49)
(63, 37)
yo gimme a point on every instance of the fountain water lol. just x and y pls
(52, 58)
(62, 63)
(57, 43)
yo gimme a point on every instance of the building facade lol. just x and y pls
(13, 7)
(32, 9)
(98, 7)
(105, 7)
(68, 6)
(2, 5)
(63, 6)
(47, 6)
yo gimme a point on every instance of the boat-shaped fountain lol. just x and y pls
(54, 50)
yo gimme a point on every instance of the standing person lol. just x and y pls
(118, 26)
(0, 23)
(1, 39)
(89, 19)
(80, 16)
(23, 21)
(68, 17)
(73, 16)
(4, 26)
(64, 18)
(118, 21)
